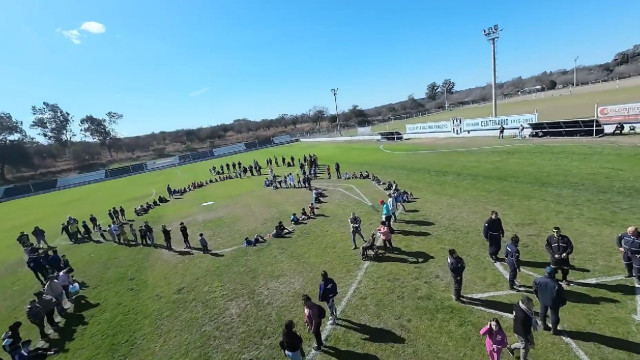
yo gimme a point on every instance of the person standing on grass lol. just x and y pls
(337, 166)
(116, 214)
(55, 290)
(166, 232)
(291, 342)
(94, 222)
(512, 257)
(169, 191)
(111, 217)
(399, 200)
(143, 236)
(327, 293)
(329, 172)
(521, 131)
(122, 213)
(313, 315)
(86, 231)
(391, 200)
(385, 235)
(456, 268)
(39, 235)
(149, 230)
(501, 132)
(134, 234)
(626, 242)
(551, 296)
(524, 322)
(559, 247)
(35, 314)
(54, 262)
(185, 235)
(493, 233)
(631, 245)
(203, 243)
(37, 266)
(496, 339)
(101, 232)
(74, 231)
(116, 231)
(386, 215)
(355, 224)
(48, 305)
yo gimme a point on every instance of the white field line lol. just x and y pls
(449, 150)
(350, 194)
(361, 194)
(502, 270)
(490, 294)
(529, 272)
(228, 249)
(600, 279)
(576, 349)
(328, 328)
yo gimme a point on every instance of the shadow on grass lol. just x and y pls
(582, 298)
(412, 211)
(411, 257)
(503, 307)
(72, 321)
(605, 340)
(210, 253)
(372, 334)
(578, 269)
(418, 222)
(405, 232)
(321, 215)
(615, 288)
(534, 264)
(183, 252)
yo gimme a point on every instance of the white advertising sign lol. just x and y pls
(509, 122)
(432, 127)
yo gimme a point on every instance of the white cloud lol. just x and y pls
(73, 35)
(89, 26)
(199, 92)
(93, 27)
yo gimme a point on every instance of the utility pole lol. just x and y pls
(575, 66)
(335, 100)
(492, 34)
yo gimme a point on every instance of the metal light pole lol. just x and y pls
(335, 100)
(492, 34)
(575, 66)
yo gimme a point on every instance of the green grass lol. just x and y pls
(577, 105)
(156, 304)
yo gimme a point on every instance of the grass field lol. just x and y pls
(556, 105)
(150, 303)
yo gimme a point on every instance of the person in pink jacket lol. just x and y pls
(496, 338)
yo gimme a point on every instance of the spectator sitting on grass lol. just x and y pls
(303, 215)
(312, 209)
(295, 220)
(280, 231)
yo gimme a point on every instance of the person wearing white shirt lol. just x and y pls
(392, 205)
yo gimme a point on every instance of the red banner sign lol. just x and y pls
(619, 113)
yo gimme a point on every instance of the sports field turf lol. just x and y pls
(152, 304)
(557, 105)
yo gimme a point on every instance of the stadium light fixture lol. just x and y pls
(492, 34)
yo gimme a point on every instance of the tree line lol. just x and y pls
(64, 151)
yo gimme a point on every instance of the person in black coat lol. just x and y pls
(291, 343)
(512, 257)
(524, 321)
(166, 232)
(550, 293)
(185, 235)
(493, 232)
(629, 245)
(559, 247)
(456, 267)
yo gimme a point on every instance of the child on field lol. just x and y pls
(496, 339)
(203, 243)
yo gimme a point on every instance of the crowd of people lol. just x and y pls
(59, 290)
(547, 288)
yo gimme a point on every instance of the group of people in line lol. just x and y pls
(55, 274)
(547, 288)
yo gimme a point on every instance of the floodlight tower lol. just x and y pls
(335, 100)
(492, 34)
(575, 66)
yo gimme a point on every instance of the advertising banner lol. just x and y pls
(490, 123)
(432, 127)
(619, 113)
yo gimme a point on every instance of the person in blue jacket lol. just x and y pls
(456, 268)
(551, 296)
(512, 257)
(327, 293)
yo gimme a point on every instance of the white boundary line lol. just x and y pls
(491, 311)
(530, 272)
(450, 150)
(489, 294)
(502, 270)
(328, 327)
(331, 186)
(600, 279)
(348, 193)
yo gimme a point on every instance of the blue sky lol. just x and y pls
(176, 64)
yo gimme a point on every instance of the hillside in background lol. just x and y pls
(25, 159)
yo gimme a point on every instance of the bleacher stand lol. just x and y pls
(282, 139)
(230, 149)
(80, 179)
